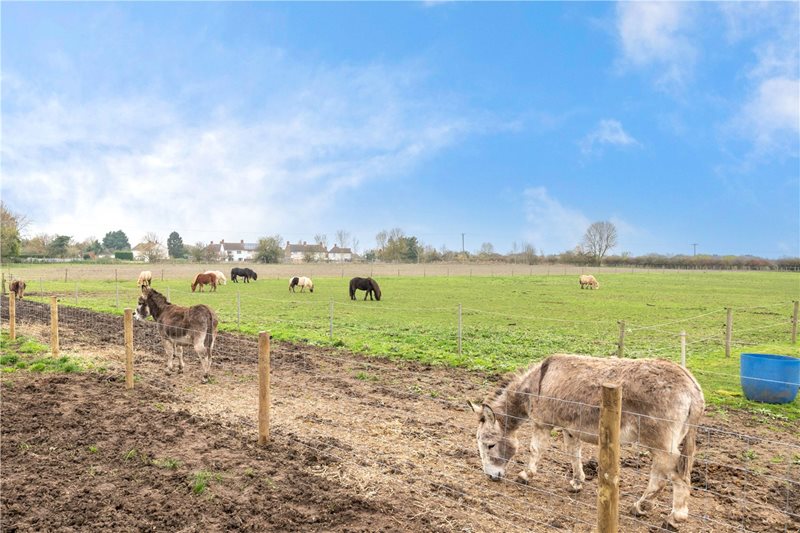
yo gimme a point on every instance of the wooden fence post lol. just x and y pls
(4, 284)
(621, 343)
(12, 316)
(263, 387)
(608, 460)
(683, 349)
(128, 348)
(330, 318)
(238, 310)
(54, 326)
(794, 322)
(728, 331)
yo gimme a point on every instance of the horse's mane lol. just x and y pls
(375, 287)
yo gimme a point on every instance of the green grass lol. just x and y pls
(509, 322)
(201, 479)
(26, 354)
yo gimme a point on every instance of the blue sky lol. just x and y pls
(509, 122)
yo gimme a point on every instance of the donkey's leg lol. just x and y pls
(170, 349)
(204, 354)
(179, 350)
(539, 442)
(572, 444)
(680, 499)
(664, 464)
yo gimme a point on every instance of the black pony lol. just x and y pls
(365, 284)
(245, 273)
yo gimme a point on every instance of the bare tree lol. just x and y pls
(599, 239)
(343, 238)
(321, 238)
(487, 250)
(528, 253)
(355, 245)
(381, 238)
(153, 251)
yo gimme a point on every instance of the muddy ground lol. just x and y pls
(357, 444)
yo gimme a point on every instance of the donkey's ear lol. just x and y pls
(488, 414)
(477, 409)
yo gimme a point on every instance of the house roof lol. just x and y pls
(338, 250)
(305, 248)
(240, 246)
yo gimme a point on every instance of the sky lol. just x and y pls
(509, 123)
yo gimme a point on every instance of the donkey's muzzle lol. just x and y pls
(494, 477)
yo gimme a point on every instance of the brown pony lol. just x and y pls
(18, 288)
(205, 279)
(178, 326)
(662, 405)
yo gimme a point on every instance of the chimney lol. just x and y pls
(212, 242)
(304, 243)
(241, 241)
(222, 241)
(287, 244)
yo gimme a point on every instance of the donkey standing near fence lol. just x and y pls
(17, 288)
(662, 405)
(178, 326)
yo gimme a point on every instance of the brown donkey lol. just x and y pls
(180, 326)
(661, 408)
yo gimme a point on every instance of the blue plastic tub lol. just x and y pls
(770, 378)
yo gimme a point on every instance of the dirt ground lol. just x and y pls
(357, 444)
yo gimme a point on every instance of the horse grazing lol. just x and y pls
(301, 282)
(221, 280)
(180, 326)
(205, 279)
(661, 408)
(17, 287)
(587, 280)
(145, 278)
(245, 273)
(365, 284)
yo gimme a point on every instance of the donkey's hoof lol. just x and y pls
(638, 510)
(668, 526)
(522, 478)
(575, 486)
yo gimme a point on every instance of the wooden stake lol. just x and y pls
(4, 283)
(459, 329)
(794, 322)
(54, 326)
(263, 387)
(12, 316)
(608, 459)
(621, 343)
(128, 348)
(728, 332)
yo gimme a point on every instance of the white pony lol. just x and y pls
(145, 277)
(220, 276)
(302, 282)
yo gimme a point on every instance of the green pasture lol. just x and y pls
(507, 322)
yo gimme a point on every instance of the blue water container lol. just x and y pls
(770, 378)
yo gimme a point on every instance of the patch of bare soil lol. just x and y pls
(389, 445)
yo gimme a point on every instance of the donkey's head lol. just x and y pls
(142, 309)
(495, 446)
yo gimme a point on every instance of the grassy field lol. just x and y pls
(507, 321)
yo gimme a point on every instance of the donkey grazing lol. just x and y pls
(365, 284)
(180, 326)
(661, 407)
(301, 282)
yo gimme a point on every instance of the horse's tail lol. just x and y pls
(352, 289)
(687, 449)
(211, 332)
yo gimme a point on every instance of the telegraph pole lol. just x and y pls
(694, 244)
(462, 243)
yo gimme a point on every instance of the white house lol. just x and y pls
(302, 252)
(141, 252)
(235, 251)
(342, 255)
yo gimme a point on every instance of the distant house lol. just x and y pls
(302, 252)
(342, 255)
(234, 251)
(141, 252)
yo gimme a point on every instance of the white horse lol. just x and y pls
(145, 277)
(220, 276)
(302, 282)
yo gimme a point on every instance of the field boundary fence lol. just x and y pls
(750, 490)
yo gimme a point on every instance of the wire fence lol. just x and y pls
(405, 425)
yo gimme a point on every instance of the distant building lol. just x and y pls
(304, 252)
(341, 255)
(141, 251)
(234, 251)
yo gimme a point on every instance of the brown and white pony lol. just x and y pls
(178, 326)
(301, 282)
(204, 279)
(662, 405)
(17, 287)
(587, 280)
(365, 284)
(221, 280)
(145, 278)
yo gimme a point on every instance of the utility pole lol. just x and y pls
(462, 243)
(694, 244)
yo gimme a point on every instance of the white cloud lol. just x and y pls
(552, 227)
(607, 132)
(771, 117)
(90, 166)
(654, 34)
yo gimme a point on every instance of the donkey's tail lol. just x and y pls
(211, 333)
(687, 449)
